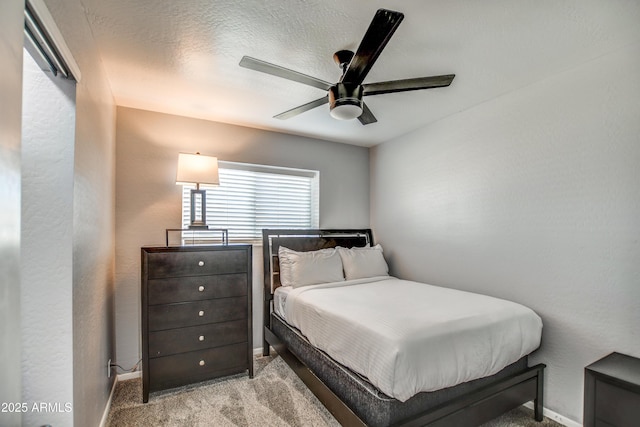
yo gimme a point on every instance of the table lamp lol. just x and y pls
(197, 169)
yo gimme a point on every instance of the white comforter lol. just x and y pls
(407, 337)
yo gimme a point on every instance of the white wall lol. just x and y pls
(148, 201)
(533, 197)
(11, 27)
(48, 123)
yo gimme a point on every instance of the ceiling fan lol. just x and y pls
(345, 97)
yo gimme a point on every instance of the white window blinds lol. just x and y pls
(252, 197)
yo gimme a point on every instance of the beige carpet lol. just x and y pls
(275, 397)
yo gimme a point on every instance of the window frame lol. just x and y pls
(255, 171)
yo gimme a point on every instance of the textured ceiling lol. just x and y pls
(182, 57)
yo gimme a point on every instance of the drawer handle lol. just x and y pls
(201, 363)
(200, 288)
(201, 313)
(200, 263)
(201, 338)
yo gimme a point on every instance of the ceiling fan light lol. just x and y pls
(346, 110)
(345, 101)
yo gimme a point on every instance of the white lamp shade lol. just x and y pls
(197, 169)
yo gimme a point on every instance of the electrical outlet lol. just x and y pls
(109, 369)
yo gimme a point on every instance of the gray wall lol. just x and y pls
(11, 23)
(48, 129)
(93, 246)
(533, 197)
(148, 201)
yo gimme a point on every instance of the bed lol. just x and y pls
(358, 382)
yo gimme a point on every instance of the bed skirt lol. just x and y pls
(365, 400)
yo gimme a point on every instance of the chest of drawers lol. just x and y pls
(612, 392)
(196, 314)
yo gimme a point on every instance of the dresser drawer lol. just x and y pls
(196, 314)
(169, 316)
(203, 263)
(616, 406)
(179, 289)
(185, 368)
(181, 340)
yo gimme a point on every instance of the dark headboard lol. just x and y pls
(303, 240)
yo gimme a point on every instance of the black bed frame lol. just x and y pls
(483, 403)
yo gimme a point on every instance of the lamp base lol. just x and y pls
(197, 226)
(198, 222)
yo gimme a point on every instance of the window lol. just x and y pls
(252, 197)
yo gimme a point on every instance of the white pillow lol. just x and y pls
(359, 263)
(309, 268)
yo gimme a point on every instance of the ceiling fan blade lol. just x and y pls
(285, 73)
(302, 108)
(367, 116)
(384, 24)
(408, 84)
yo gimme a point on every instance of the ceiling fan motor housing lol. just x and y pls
(345, 101)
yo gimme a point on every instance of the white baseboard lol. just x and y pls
(555, 416)
(129, 375)
(105, 415)
(120, 377)
(258, 351)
